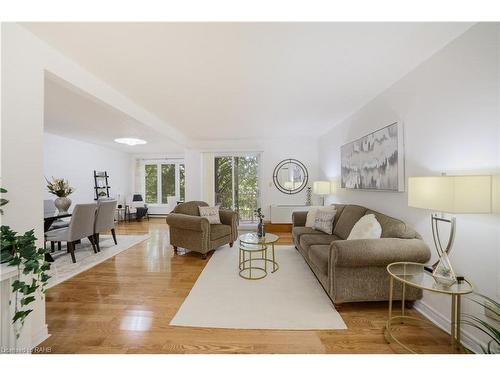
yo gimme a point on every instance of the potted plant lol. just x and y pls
(20, 251)
(489, 328)
(60, 188)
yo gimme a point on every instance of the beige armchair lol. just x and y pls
(195, 233)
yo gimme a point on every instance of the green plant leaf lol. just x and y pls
(21, 314)
(18, 285)
(27, 300)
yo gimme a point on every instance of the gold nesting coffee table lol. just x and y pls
(254, 255)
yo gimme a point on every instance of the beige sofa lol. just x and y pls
(190, 231)
(355, 270)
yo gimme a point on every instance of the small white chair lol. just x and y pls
(80, 226)
(105, 220)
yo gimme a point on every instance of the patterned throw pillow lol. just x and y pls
(324, 220)
(211, 213)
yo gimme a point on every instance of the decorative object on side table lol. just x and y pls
(450, 194)
(20, 251)
(60, 188)
(322, 188)
(308, 196)
(261, 232)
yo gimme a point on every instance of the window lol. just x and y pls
(182, 182)
(151, 172)
(167, 182)
(163, 180)
(237, 184)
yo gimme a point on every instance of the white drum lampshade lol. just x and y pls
(451, 194)
(322, 187)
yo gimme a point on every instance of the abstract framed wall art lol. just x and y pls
(375, 161)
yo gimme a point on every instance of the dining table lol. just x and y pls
(49, 217)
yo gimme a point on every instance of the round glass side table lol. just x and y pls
(254, 257)
(415, 275)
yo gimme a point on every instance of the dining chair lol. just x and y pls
(80, 226)
(105, 220)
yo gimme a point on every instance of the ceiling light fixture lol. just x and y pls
(131, 141)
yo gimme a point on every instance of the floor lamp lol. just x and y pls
(447, 195)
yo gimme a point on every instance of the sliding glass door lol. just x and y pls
(237, 184)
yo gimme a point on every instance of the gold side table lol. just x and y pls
(414, 275)
(255, 268)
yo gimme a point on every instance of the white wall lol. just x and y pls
(76, 161)
(450, 109)
(272, 151)
(25, 59)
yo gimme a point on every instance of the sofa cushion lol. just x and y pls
(339, 208)
(393, 228)
(349, 216)
(219, 230)
(297, 232)
(308, 240)
(190, 208)
(318, 255)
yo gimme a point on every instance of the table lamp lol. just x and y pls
(322, 188)
(449, 195)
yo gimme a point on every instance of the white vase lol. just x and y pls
(62, 203)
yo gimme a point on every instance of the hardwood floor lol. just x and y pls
(125, 304)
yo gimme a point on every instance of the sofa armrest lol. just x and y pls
(378, 252)
(189, 222)
(229, 217)
(299, 218)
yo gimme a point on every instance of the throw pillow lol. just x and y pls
(311, 216)
(324, 220)
(211, 213)
(367, 227)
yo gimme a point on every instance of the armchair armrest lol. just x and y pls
(378, 252)
(229, 217)
(299, 218)
(189, 222)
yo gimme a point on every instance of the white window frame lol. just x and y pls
(159, 163)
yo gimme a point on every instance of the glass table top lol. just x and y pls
(55, 214)
(252, 238)
(415, 275)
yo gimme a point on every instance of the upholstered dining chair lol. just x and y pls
(104, 220)
(193, 232)
(80, 226)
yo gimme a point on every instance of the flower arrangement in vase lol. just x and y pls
(261, 232)
(60, 188)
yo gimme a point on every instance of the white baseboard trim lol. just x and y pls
(469, 341)
(40, 337)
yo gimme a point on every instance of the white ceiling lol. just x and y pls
(216, 81)
(73, 113)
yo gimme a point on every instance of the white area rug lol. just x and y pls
(291, 298)
(63, 268)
